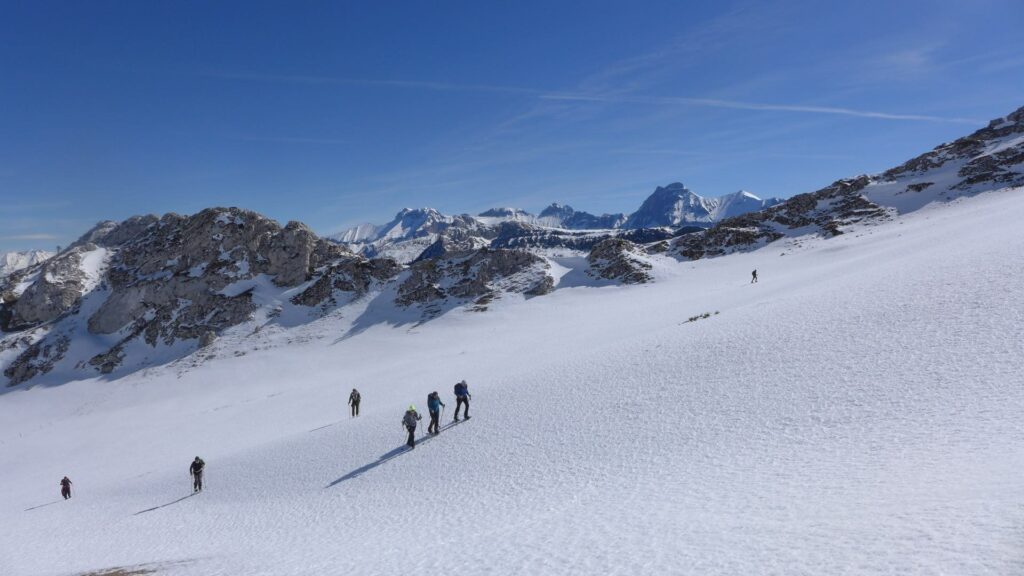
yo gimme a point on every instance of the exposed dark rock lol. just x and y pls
(37, 359)
(355, 275)
(470, 275)
(58, 286)
(621, 260)
(826, 211)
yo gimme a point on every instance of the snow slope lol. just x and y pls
(856, 412)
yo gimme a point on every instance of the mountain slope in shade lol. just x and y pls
(564, 216)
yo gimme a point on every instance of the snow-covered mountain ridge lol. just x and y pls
(856, 412)
(671, 206)
(152, 290)
(11, 262)
(990, 158)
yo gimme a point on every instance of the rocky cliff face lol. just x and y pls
(164, 286)
(476, 276)
(162, 281)
(620, 260)
(826, 212)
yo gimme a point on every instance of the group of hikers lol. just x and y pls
(434, 406)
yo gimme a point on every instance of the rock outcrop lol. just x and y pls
(48, 290)
(826, 212)
(165, 280)
(620, 260)
(477, 276)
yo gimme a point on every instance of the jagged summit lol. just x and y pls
(671, 206)
(557, 210)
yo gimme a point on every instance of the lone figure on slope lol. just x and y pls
(753, 277)
(196, 470)
(65, 487)
(409, 421)
(353, 401)
(434, 406)
(462, 398)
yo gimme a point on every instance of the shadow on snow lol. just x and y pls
(42, 505)
(165, 505)
(390, 455)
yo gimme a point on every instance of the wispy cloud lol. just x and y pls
(30, 237)
(20, 207)
(550, 95)
(341, 81)
(290, 139)
(715, 103)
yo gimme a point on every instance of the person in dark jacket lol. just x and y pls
(409, 421)
(196, 470)
(65, 487)
(753, 277)
(462, 398)
(434, 406)
(353, 401)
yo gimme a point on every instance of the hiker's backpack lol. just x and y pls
(410, 419)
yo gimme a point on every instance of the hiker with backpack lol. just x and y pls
(65, 487)
(462, 398)
(196, 471)
(353, 401)
(434, 406)
(753, 277)
(409, 421)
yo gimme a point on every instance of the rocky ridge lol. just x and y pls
(154, 289)
(991, 158)
(558, 226)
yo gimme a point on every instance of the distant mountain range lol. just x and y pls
(11, 262)
(672, 206)
(154, 289)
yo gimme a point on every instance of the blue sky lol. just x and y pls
(336, 113)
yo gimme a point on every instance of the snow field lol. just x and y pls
(858, 411)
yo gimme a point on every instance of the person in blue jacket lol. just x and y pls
(434, 406)
(462, 398)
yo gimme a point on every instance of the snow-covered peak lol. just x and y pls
(412, 222)
(506, 212)
(671, 205)
(11, 262)
(739, 203)
(558, 211)
(357, 234)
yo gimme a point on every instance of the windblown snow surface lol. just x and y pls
(858, 411)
